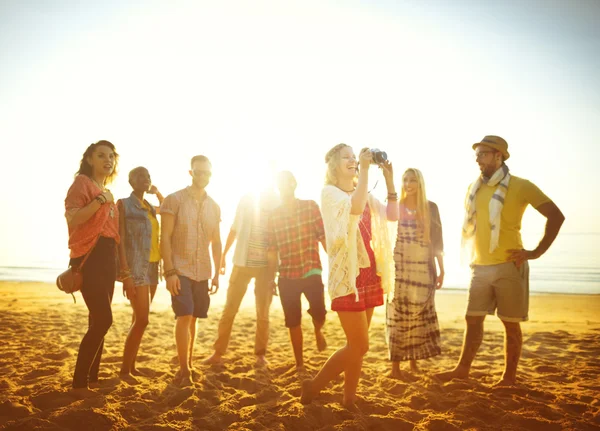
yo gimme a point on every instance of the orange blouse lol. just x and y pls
(104, 222)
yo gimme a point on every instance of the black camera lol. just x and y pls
(378, 156)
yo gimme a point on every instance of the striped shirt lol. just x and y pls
(195, 225)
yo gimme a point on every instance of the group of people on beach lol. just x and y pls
(376, 250)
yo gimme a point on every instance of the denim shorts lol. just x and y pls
(150, 278)
(193, 298)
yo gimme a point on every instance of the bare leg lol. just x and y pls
(297, 341)
(471, 343)
(321, 342)
(192, 340)
(513, 343)
(182, 340)
(396, 374)
(347, 359)
(413, 366)
(140, 304)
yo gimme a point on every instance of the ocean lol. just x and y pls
(572, 265)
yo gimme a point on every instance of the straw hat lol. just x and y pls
(495, 142)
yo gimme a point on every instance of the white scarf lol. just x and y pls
(501, 178)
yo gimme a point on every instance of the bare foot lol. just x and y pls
(94, 385)
(456, 373)
(321, 342)
(350, 404)
(129, 379)
(214, 359)
(402, 375)
(183, 379)
(503, 382)
(261, 361)
(82, 393)
(307, 394)
(136, 372)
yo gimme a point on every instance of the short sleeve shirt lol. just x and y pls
(519, 194)
(195, 225)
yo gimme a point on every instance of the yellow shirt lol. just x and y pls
(154, 248)
(520, 193)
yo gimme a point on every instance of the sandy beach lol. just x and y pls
(558, 388)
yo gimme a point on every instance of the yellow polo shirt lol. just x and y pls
(520, 193)
(154, 248)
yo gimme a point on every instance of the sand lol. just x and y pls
(558, 387)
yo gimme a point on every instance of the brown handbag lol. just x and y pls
(71, 280)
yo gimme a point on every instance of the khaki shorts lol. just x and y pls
(502, 287)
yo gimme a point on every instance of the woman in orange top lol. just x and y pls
(93, 221)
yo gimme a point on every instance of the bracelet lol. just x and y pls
(170, 272)
(125, 278)
(101, 199)
(392, 196)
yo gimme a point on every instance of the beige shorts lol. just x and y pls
(502, 287)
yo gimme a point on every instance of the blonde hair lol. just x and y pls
(332, 158)
(423, 215)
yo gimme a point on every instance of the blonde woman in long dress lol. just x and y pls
(411, 320)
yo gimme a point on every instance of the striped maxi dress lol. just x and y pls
(412, 327)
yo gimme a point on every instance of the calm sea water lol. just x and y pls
(572, 265)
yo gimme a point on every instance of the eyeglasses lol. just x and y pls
(480, 154)
(201, 172)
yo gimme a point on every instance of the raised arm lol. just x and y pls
(359, 197)
(392, 209)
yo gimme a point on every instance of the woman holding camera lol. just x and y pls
(140, 250)
(361, 266)
(412, 326)
(93, 222)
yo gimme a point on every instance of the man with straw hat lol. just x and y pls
(494, 207)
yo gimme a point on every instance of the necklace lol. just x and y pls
(347, 191)
(409, 211)
(97, 184)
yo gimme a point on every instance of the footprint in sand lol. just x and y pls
(52, 400)
(63, 354)
(41, 372)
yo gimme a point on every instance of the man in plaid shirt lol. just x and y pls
(294, 231)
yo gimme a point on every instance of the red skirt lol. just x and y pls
(368, 283)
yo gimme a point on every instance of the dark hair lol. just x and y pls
(199, 158)
(86, 169)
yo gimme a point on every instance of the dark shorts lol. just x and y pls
(290, 293)
(193, 298)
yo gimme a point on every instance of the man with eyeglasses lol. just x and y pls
(494, 207)
(190, 227)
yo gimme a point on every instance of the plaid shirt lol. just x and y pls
(195, 225)
(295, 231)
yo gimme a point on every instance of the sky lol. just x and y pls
(265, 85)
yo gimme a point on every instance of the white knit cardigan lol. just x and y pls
(346, 249)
